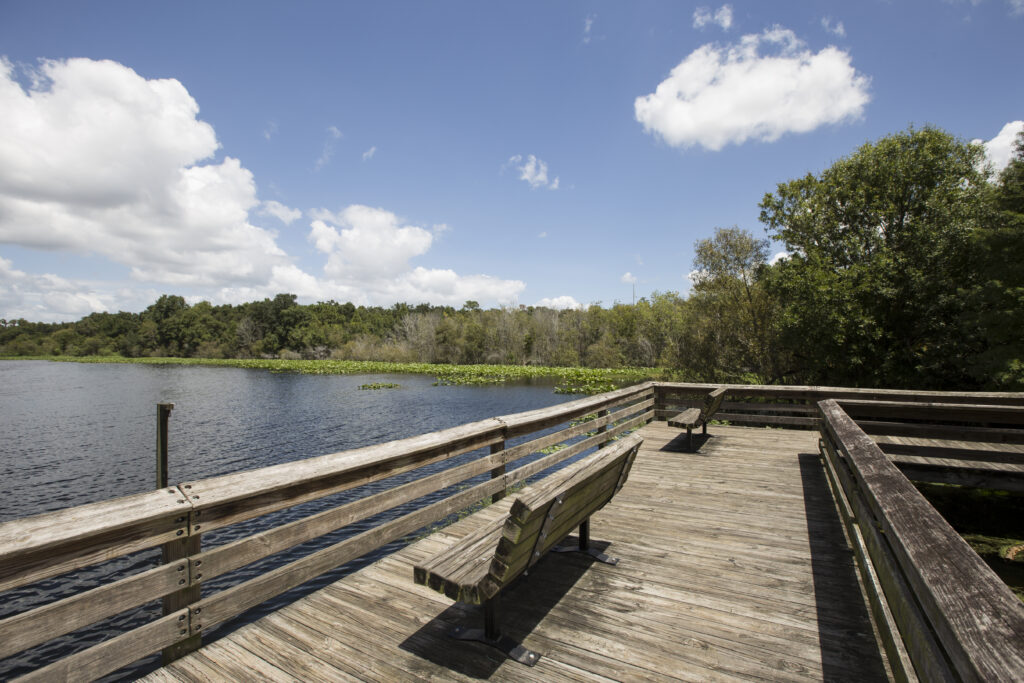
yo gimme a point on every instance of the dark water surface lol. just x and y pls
(76, 433)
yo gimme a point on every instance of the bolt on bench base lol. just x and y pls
(491, 635)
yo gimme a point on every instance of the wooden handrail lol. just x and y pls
(949, 412)
(819, 393)
(956, 618)
(38, 547)
(49, 544)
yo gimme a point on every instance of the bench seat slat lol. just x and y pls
(689, 418)
(458, 572)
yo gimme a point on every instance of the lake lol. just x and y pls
(76, 433)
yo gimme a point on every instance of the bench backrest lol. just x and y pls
(546, 512)
(711, 403)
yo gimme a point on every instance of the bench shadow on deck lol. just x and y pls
(734, 564)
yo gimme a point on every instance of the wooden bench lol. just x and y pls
(691, 417)
(478, 567)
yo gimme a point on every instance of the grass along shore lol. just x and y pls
(568, 380)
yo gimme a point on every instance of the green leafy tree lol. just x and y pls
(997, 301)
(731, 334)
(872, 291)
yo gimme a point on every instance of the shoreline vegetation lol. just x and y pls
(567, 380)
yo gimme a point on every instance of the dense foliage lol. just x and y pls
(904, 271)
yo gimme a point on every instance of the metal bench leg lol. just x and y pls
(491, 635)
(689, 438)
(584, 546)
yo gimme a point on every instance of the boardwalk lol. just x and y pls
(734, 566)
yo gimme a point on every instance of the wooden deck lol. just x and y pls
(734, 566)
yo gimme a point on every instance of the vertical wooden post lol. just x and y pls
(178, 550)
(603, 428)
(498, 471)
(163, 417)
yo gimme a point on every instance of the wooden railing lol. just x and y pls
(942, 613)
(942, 623)
(44, 546)
(794, 406)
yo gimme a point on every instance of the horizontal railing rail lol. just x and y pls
(794, 406)
(942, 612)
(517, 447)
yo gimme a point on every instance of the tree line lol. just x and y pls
(904, 269)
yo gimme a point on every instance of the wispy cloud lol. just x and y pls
(703, 16)
(628, 278)
(333, 135)
(533, 170)
(837, 28)
(270, 130)
(368, 154)
(283, 213)
(588, 25)
(720, 95)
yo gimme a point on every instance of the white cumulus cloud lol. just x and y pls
(629, 279)
(559, 303)
(702, 16)
(533, 170)
(369, 242)
(368, 261)
(96, 159)
(999, 149)
(760, 88)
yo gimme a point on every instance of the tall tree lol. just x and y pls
(998, 299)
(732, 334)
(872, 292)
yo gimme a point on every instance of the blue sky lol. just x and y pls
(551, 153)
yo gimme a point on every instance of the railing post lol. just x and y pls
(163, 416)
(603, 428)
(498, 471)
(178, 550)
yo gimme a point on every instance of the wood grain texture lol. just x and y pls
(115, 653)
(734, 566)
(52, 543)
(27, 629)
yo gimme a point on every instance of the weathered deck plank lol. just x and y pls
(733, 566)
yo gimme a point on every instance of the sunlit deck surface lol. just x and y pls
(734, 565)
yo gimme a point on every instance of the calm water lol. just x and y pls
(76, 433)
